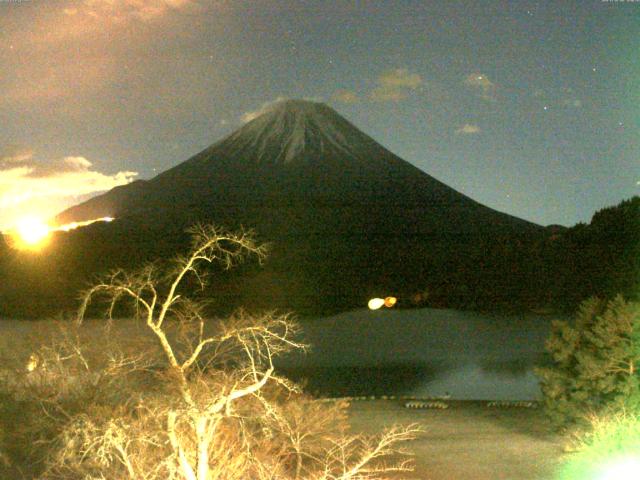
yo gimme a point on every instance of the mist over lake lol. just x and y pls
(423, 353)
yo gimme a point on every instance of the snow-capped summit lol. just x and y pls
(298, 128)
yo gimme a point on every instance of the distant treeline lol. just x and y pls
(550, 269)
(553, 272)
(599, 259)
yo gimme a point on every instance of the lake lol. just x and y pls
(419, 353)
(422, 353)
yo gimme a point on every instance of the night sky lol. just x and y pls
(531, 108)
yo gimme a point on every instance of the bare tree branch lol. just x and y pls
(218, 409)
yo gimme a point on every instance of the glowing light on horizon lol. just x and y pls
(621, 469)
(73, 225)
(376, 303)
(32, 233)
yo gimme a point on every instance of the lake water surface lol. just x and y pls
(423, 353)
(397, 352)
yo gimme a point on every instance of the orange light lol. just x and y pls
(390, 301)
(376, 303)
(30, 233)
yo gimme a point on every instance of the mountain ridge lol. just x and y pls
(347, 219)
(298, 129)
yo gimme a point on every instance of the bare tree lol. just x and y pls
(219, 410)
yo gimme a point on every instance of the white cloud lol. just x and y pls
(346, 96)
(77, 163)
(43, 189)
(119, 10)
(400, 78)
(394, 85)
(481, 84)
(384, 94)
(251, 115)
(479, 80)
(248, 116)
(14, 154)
(468, 129)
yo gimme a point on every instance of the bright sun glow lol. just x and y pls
(74, 225)
(31, 231)
(622, 469)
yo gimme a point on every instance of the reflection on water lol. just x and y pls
(513, 367)
(423, 353)
(472, 382)
(359, 381)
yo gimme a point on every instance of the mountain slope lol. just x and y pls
(347, 219)
(297, 152)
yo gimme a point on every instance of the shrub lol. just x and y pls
(594, 363)
(204, 402)
(610, 450)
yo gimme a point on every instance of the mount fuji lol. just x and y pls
(300, 153)
(346, 219)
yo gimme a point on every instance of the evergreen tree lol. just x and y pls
(594, 363)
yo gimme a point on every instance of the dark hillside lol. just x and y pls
(347, 219)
